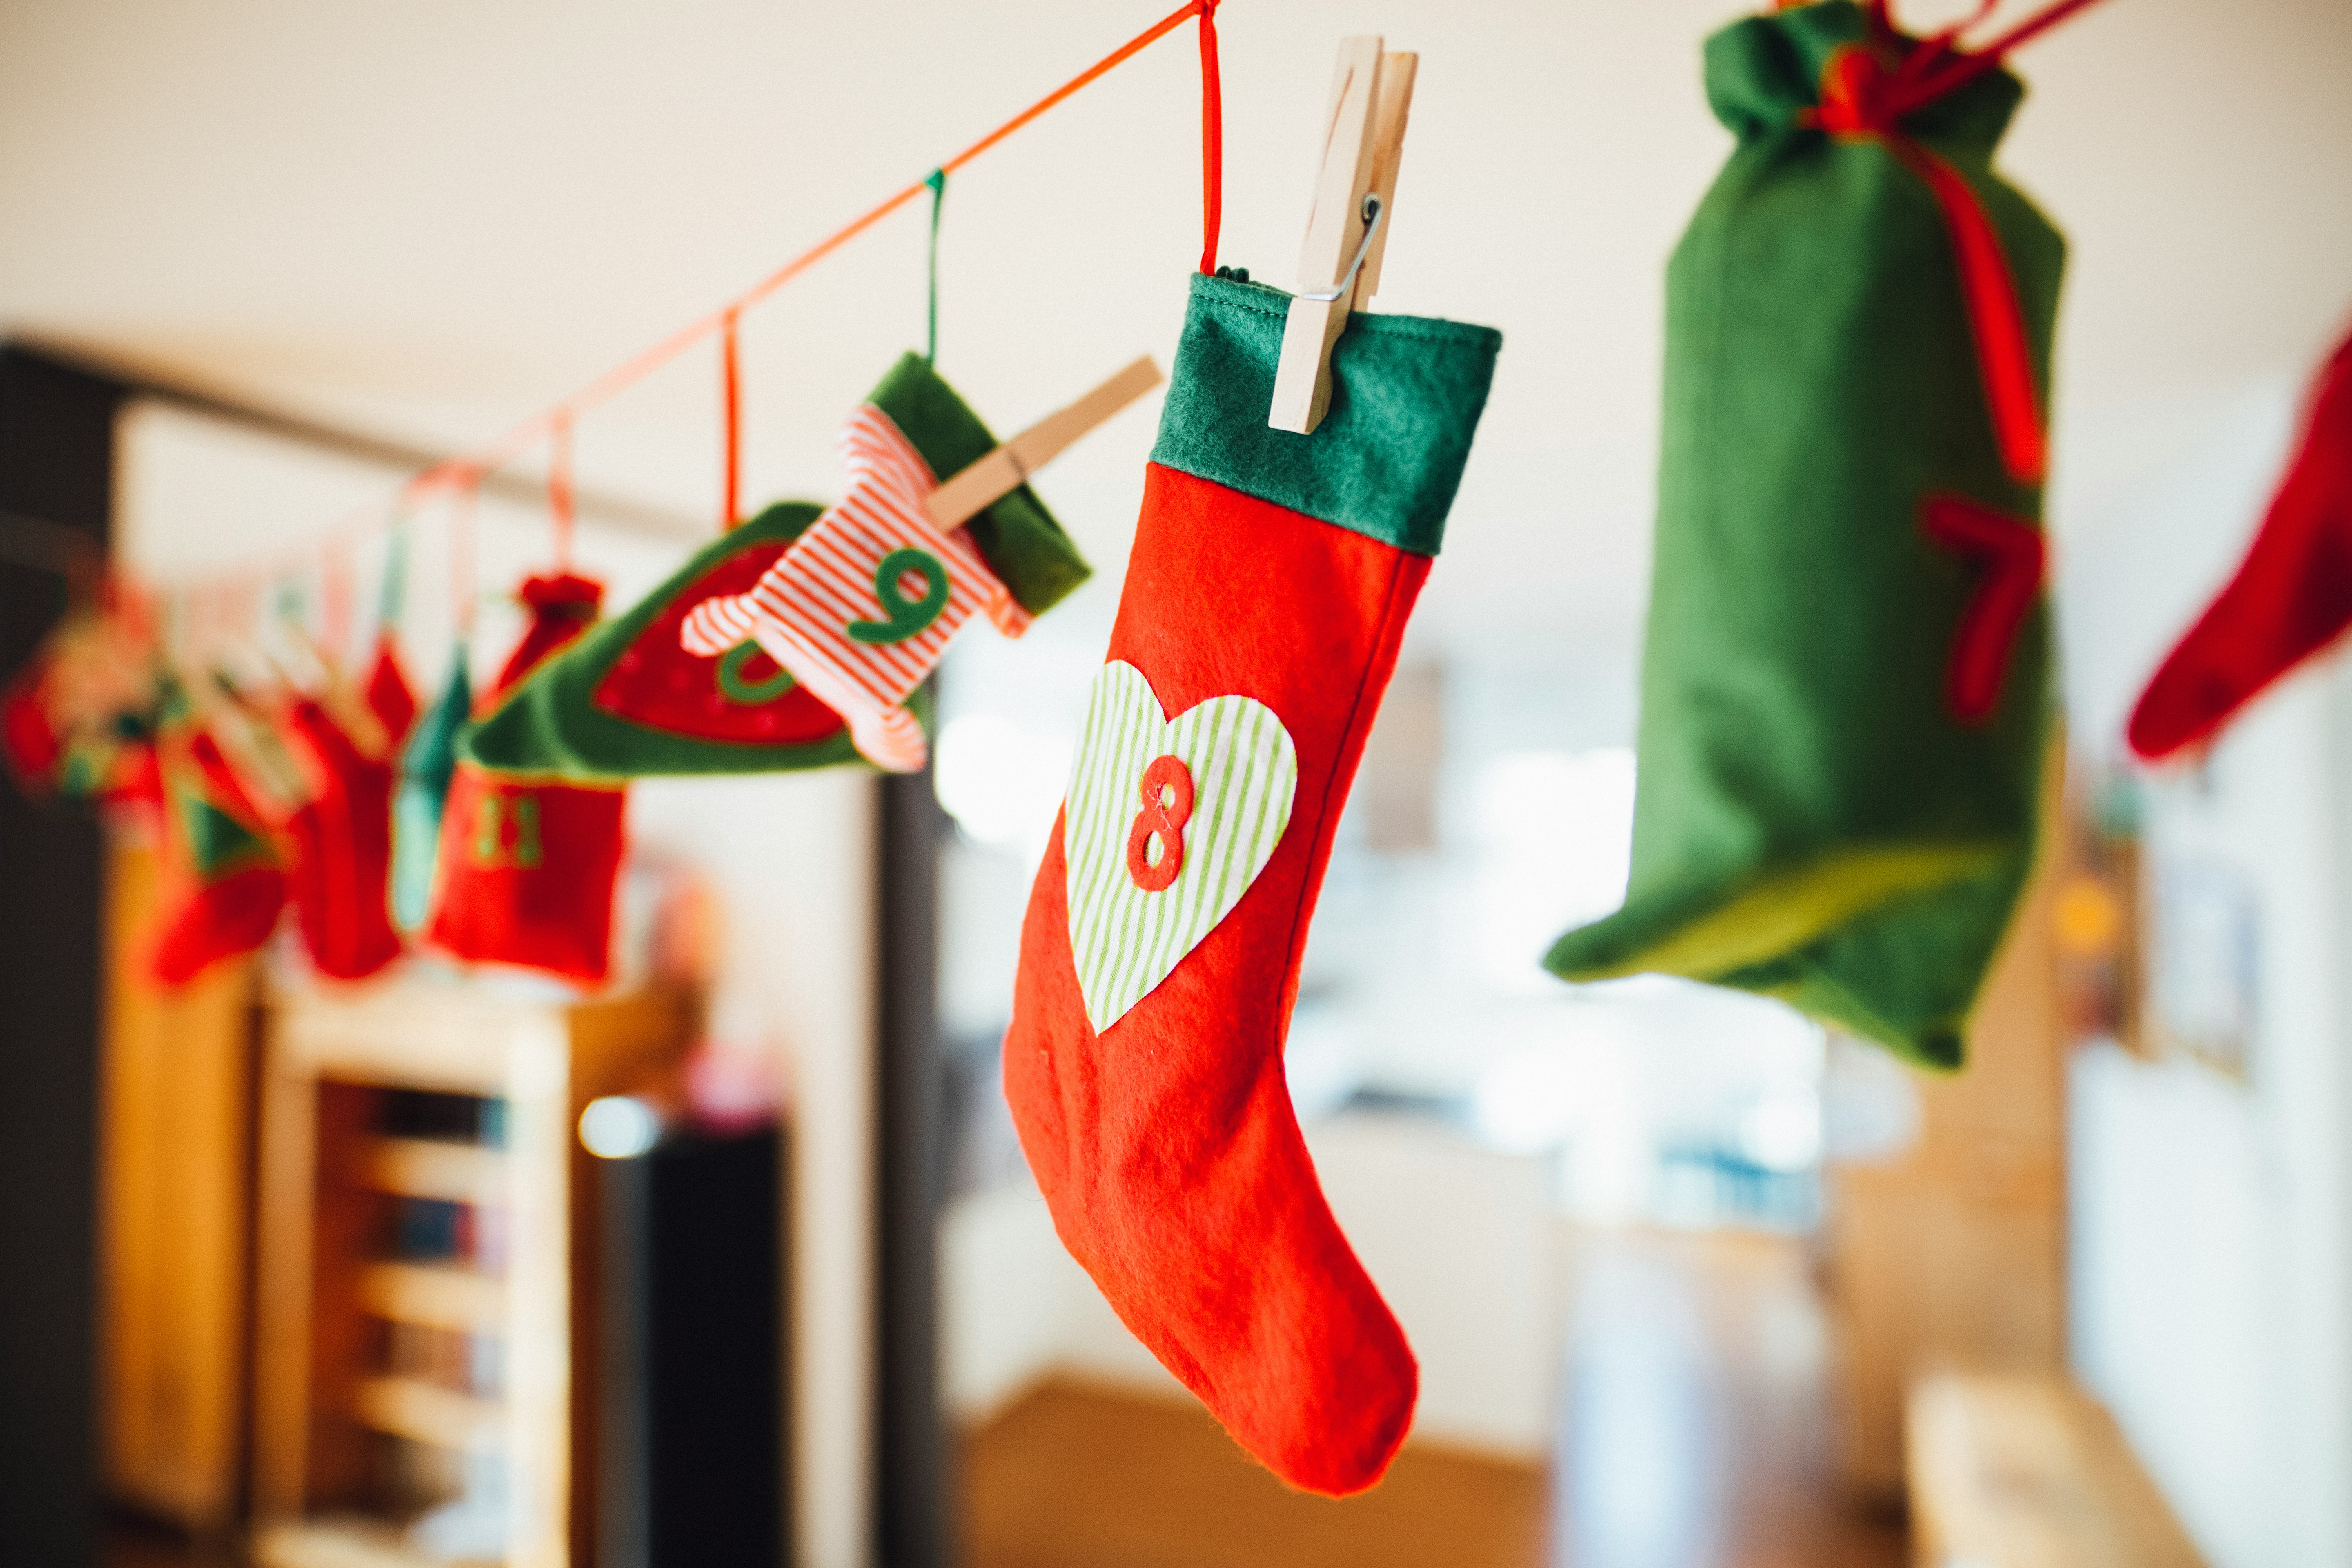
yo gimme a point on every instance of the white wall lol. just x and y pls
(2211, 1300)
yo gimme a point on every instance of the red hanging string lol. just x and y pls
(1213, 138)
(730, 509)
(335, 599)
(1954, 69)
(1856, 92)
(559, 486)
(461, 551)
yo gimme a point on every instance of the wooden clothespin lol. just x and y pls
(1347, 231)
(1009, 467)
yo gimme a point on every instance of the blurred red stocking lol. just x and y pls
(215, 842)
(342, 838)
(2292, 595)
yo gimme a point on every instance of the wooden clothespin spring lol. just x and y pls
(1346, 229)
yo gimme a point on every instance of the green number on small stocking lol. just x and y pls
(907, 616)
(750, 693)
(491, 848)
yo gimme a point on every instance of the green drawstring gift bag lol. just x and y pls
(1846, 679)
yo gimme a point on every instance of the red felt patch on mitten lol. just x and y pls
(743, 697)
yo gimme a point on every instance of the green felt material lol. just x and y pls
(1406, 393)
(426, 766)
(1811, 822)
(218, 842)
(1017, 536)
(548, 727)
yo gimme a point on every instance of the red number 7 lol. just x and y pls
(2011, 555)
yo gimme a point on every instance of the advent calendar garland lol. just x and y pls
(649, 693)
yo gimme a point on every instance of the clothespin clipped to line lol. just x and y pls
(1008, 467)
(1347, 228)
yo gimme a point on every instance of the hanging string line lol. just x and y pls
(560, 509)
(465, 472)
(1212, 140)
(731, 372)
(463, 486)
(938, 180)
(392, 593)
(1947, 69)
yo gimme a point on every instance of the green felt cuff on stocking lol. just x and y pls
(1406, 393)
(1813, 818)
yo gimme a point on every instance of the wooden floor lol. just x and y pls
(1081, 1477)
(1692, 1434)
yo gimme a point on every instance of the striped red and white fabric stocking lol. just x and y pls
(861, 607)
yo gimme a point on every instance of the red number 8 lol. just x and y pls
(1167, 791)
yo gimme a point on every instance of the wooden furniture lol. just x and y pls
(1955, 1253)
(2024, 1471)
(426, 1338)
(176, 1149)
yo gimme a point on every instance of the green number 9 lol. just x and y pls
(907, 616)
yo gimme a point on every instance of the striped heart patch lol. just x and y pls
(1166, 826)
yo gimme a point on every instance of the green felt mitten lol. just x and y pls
(626, 700)
(1846, 683)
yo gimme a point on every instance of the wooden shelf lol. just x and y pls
(426, 1413)
(335, 1368)
(331, 1543)
(423, 1168)
(434, 1296)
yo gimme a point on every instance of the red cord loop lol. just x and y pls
(1213, 138)
(731, 378)
(1859, 98)
(559, 508)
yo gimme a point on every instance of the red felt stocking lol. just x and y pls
(389, 695)
(216, 841)
(341, 880)
(2292, 595)
(527, 867)
(1271, 580)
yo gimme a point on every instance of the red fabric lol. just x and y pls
(1857, 100)
(34, 745)
(236, 911)
(2011, 558)
(389, 696)
(341, 881)
(1167, 1148)
(527, 870)
(561, 606)
(2292, 596)
(527, 874)
(657, 683)
(224, 919)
